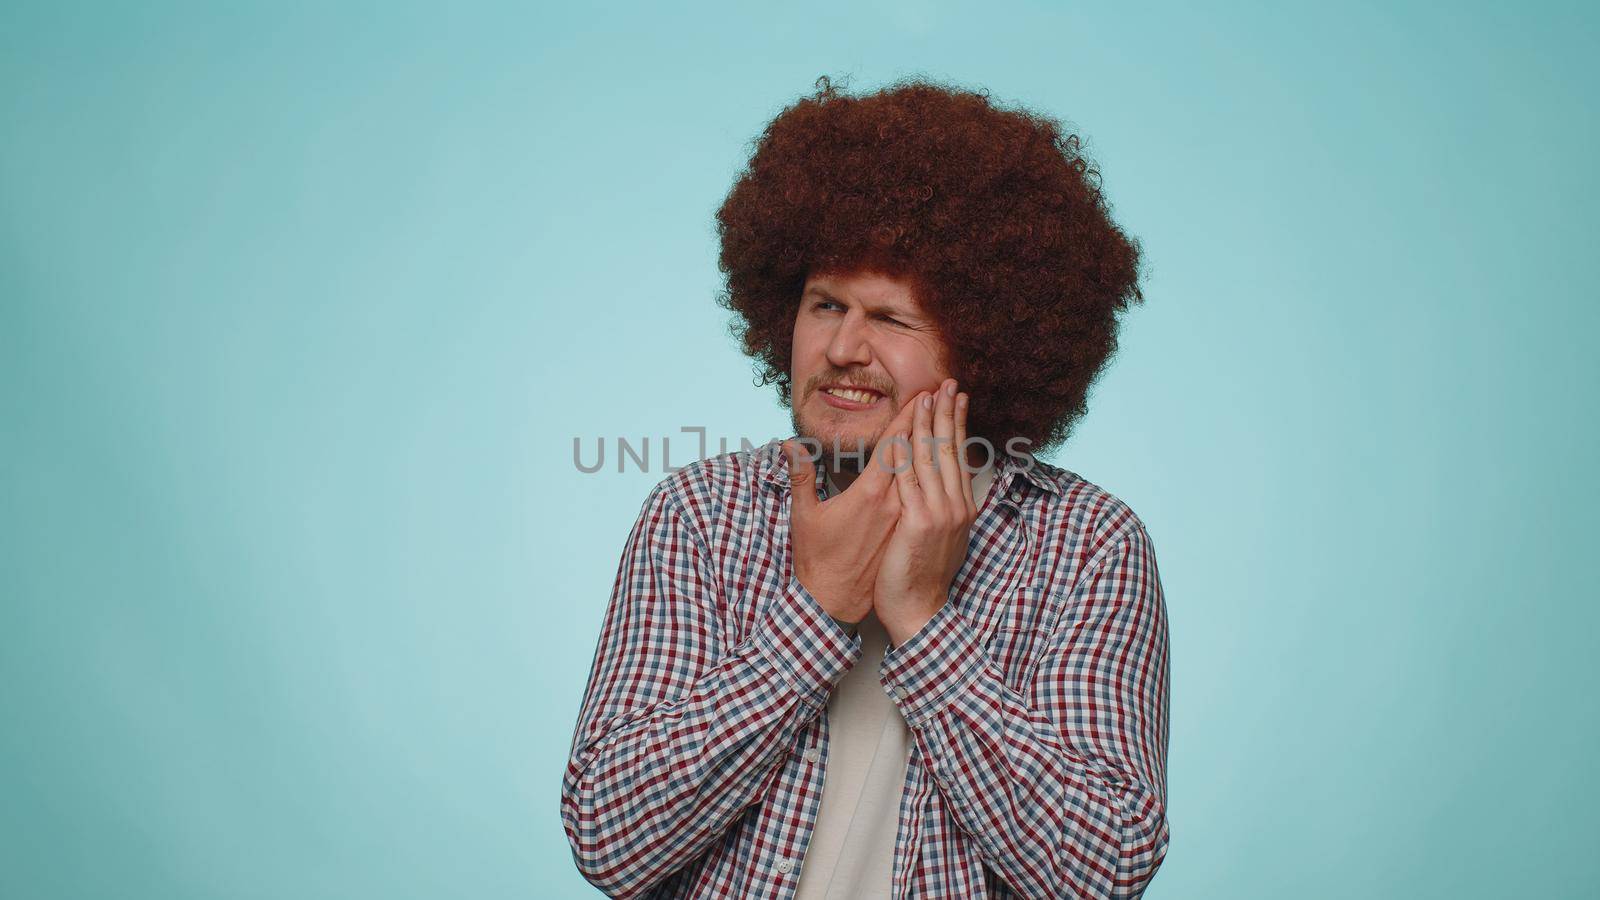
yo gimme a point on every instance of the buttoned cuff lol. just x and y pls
(925, 673)
(807, 647)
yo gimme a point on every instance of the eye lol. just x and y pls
(893, 321)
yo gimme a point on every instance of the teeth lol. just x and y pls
(857, 396)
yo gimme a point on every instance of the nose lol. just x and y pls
(849, 345)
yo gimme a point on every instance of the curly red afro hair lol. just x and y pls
(994, 215)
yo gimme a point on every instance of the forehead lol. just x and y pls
(874, 290)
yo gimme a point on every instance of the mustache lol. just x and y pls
(843, 380)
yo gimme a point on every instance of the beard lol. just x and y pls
(843, 449)
(843, 442)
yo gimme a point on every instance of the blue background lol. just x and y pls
(304, 305)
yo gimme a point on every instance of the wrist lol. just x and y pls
(846, 624)
(905, 618)
(836, 603)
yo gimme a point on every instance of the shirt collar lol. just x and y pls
(1011, 471)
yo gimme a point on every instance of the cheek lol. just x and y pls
(802, 347)
(913, 367)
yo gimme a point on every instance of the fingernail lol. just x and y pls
(927, 402)
(950, 389)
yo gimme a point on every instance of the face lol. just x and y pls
(862, 348)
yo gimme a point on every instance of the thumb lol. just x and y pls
(802, 478)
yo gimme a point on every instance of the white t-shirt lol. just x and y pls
(851, 854)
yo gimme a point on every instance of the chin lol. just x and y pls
(847, 438)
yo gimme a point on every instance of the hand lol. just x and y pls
(838, 543)
(937, 510)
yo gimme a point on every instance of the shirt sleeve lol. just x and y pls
(679, 733)
(1062, 786)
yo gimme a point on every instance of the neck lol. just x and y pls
(840, 479)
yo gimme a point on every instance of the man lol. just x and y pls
(917, 662)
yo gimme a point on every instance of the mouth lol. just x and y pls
(851, 398)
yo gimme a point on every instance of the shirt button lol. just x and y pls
(785, 865)
(1017, 495)
(900, 691)
(812, 754)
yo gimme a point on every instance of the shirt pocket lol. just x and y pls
(1014, 653)
(1018, 636)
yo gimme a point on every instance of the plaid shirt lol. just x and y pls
(1036, 698)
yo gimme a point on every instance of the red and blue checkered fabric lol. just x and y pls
(1036, 697)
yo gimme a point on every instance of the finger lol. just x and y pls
(922, 455)
(880, 469)
(899, 455)
(944, 433)
(905, 479)
(802, 479)
(882, 527)
(961, 453)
